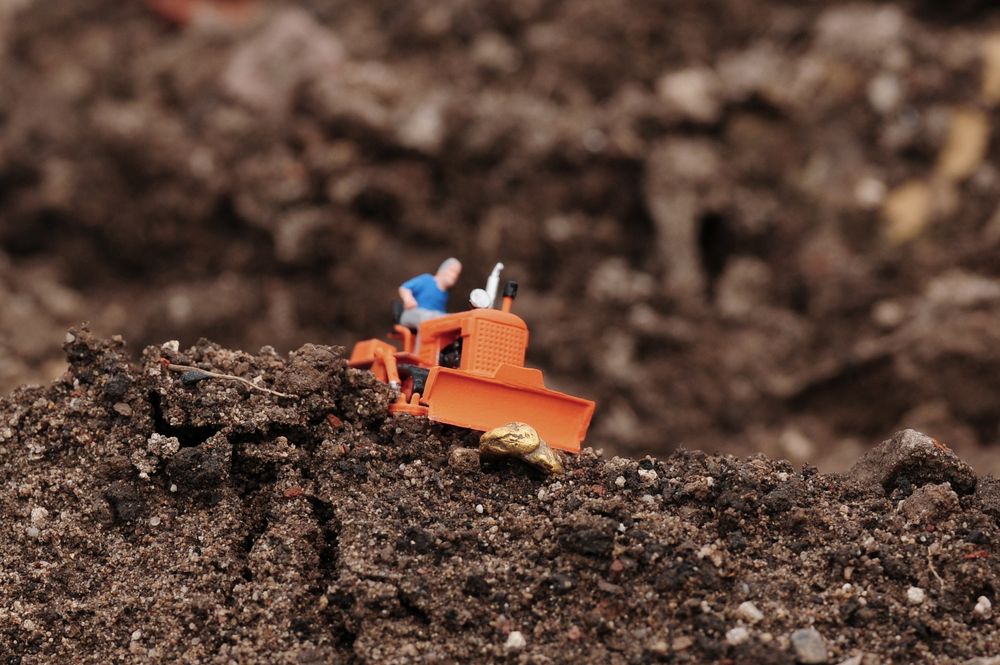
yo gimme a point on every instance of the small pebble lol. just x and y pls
(737, 635)
(136, 634)
(620, 482)
(122, 408)
(869, 192)
(983, 607)
(682, 643)
(154, 521)
(647, 476)
(38, 514)
(479, 508)
(749, 612)
(809, 645)
(33, 532)
(515, 641)
(915, 595)
(173, 487)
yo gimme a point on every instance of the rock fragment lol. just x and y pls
(984, 607)
(929, 503)
(913, 458)
(906, 211)
(749, 612)
(809, 645)
(965, 148)
(515, 641)
(737, 635)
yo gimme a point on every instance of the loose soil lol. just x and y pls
(739, 226)
(153, 517)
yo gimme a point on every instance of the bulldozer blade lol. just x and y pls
(514, 394)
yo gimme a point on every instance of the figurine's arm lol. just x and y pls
(406, 295)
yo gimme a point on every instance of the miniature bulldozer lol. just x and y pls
(467, 369)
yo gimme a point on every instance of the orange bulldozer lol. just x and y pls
(467, 369)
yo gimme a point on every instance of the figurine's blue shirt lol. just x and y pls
(426, 292)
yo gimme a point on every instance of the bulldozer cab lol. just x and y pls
(478, 341)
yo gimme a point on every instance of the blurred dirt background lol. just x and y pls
(740, 226)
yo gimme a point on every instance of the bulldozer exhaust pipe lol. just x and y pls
(509, 293)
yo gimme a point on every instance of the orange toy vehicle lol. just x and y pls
(469, 371)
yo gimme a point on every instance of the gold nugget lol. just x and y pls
(520, 440)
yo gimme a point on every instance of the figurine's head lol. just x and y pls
(447, 274)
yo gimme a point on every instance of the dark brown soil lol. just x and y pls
(739, 226)
(148, 518)
(744, 226)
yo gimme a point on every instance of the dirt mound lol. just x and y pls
(736, 224)
(160, 515)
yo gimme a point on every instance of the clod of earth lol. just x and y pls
(222, 523)
(911, 458)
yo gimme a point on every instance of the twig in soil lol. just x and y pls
(930, 564)
(216, 375)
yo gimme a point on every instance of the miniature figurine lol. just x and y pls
(426, 296)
